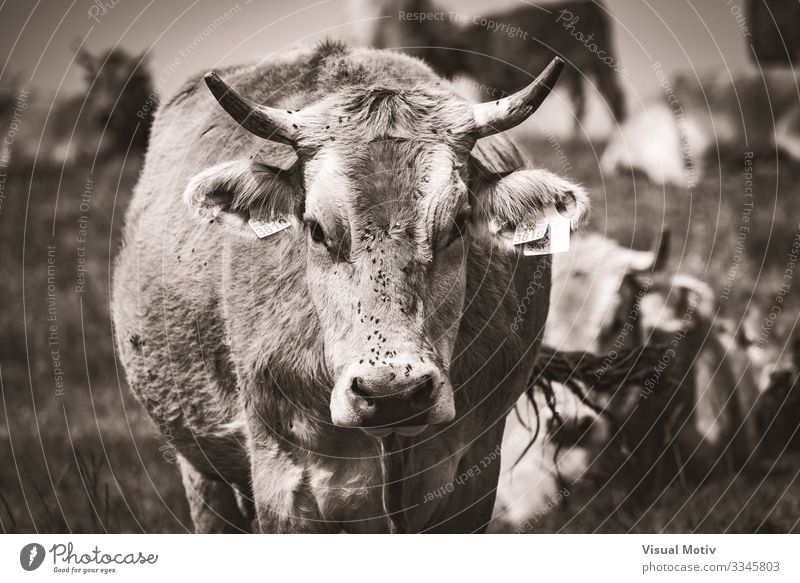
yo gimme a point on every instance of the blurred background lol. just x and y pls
(678, 116)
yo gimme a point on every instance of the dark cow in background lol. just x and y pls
(703, 427)
(344, 371)
(120, 98)
(111, 117)
(774, 27)
(778, 410)
(503, 50)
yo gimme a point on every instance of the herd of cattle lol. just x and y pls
(732, 404)
(355, 369)
(667, 138)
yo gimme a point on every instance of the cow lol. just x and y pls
(778, 407)
(111, 117)
(703, 428)
(642, 437)
(351, 367)
(669, 140)
(774, 32)
(581, 309)
(491, 48)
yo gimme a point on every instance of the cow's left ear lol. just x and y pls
(502, 202)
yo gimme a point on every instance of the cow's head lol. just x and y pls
(389, 196)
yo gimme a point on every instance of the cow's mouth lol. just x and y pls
(381, 432)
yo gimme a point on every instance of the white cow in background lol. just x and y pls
(585, 282)
(669, 139)
(609, 298)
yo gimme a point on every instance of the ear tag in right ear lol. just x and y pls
(264, 225)
(530, 232)
(555, 238)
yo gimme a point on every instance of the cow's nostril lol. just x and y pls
(359, 391)
(423, 392)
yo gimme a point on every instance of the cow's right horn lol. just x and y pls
(498, 116)
(265, 122)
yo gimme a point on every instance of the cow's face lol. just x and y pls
(387, 234)
(388, 197)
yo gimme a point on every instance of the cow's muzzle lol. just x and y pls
(403, 398)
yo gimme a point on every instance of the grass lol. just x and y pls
(87, 459)
(82, 457)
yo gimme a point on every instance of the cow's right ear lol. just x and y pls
(231, 192)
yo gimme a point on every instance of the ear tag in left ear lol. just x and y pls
(264, 225)
(555, 238)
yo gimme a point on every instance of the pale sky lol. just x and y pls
(38, 39)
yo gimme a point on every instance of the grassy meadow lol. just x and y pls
(80, 455)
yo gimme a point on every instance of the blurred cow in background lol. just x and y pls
(580, 309)
(669, 139)
(774, 27)
(502, 51)
(702, 428)
(640, 437)
(778, 409)
(110, 117)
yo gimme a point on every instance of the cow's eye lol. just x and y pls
(459, 227)
(317, 233)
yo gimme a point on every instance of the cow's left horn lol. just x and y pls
(494, 117)
(265, 122)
